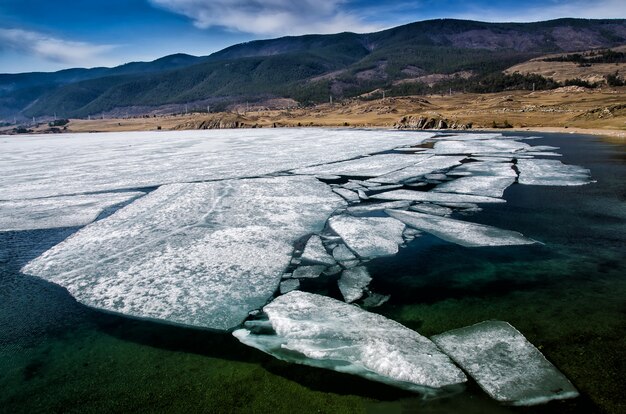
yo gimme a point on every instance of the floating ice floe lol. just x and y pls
(341, 253)
(551, 172)
(348, 195)
(194, 254)
(477, 185)
(370, 208)
(314, 251)
(369, 237)
(323, 332)
(426, 166)
(308, 272)
(480, 146)
(430, 209)
(353, 282)
(55, 212)
(39, 166)
(460, 232)
(487, 168)
(288, 285)
(434, 197)
(502, 361)
(364, 167)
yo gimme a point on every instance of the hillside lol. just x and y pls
(429, 56)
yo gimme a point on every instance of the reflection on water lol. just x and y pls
(568, 296)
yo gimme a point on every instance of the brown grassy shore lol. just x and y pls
(568, 109)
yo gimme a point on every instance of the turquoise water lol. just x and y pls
(568, 296)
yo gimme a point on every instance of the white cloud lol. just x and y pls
(52, 48)
(270, 17)
(556, 9)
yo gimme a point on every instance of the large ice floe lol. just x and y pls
(64, 164)
(194, 254)
(369, 237)
(502, 361)
(323, 332)
(66, 211)
(551, 172)
(460, 232)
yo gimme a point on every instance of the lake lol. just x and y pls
(567, 296)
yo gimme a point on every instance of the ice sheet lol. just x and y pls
(323, 332)
(505, 365)
(66, 211)
(348, 195)
(487, 168)
(480, 146)
(288, 285)
(372, 207)
(308, 272)
(369, 237)
(478, 185)
(426, 166)
(352, 283)
(314, 251)
(552, 172)
(431, 209)
(364, 167)
(64, 164)
(194, 254)
(434, 197)
(460, 232)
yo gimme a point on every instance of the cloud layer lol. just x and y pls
(270, 17)
(52, 48)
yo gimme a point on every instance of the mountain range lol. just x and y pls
(431, 55)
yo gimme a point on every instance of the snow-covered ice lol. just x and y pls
(434, 197)
(364, 167)
(348, 195)
(288, 285)
(369, 237)
(308, 272)
(480, 146)
(460, 232)
(352, 283)
(431, 209)
(315, 252)
(64, 164)
(551, 172)
(427, 165)
(504, 364)
(324, 332)
(372, 207)
(477, 185)
(194, 254)
(341, 253)
(54, 212)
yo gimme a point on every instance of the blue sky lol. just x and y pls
(45, 35)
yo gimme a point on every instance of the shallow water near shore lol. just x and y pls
(567, 296)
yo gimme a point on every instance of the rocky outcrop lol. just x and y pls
(219, 122)
(414, 122)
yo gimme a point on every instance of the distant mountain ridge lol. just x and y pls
(306, 68)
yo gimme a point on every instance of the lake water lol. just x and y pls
(567, 296)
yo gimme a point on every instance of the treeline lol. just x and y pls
(603, 56)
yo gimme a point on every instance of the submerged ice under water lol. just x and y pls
(211, 244)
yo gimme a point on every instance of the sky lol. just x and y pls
(46, 35)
